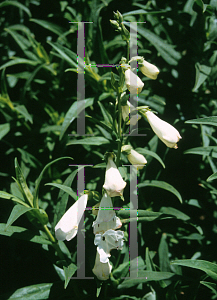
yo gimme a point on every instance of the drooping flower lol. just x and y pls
(127, 111)
(136, 159)
(114, 183)
(133, 82)
(148, 69)
(145, 67)
(67, 227)
(111, 239)
(166, 132)
(106, 217)
(101, 270)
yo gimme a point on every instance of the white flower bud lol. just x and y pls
(137, 159)
(133, 82)
(114, 183)
(148, 69)
(101, 270)
(67, 227)
(166, 132)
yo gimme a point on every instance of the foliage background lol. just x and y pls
(36, 94)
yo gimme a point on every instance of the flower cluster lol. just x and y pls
(105, 225)
(166, 132)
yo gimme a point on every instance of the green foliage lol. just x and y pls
(177, 195)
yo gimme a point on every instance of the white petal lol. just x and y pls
(101, 270)
(106, 218)
(111, 239)
(137, 159)
(166, 132)
(149, 70)
(133, 82)
(67, 227)
(114, 183)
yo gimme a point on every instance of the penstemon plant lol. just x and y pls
(106, 225)
(102, 229)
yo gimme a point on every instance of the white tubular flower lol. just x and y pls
(101, 270)
(166, 132)
(106, 218)
(114, 183)
(137, 159)
(127, 110)
(133, 82)
(111, 239)
(149, 70)
(67, 227)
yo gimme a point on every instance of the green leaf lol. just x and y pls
(210, 285)
(66, 54)
(23, 234)
(38, 180)
(65, 188)
(202, 72)
(60, 208)
(175, 212)
(19, 210)
(162, 185)
(148, 260)
(23, 43)
(22, 184)
(69, 272)
(206, 151)
(16, 212)
(17, 61)
(206, 120)
(203, 265)
(167, 51)
(24, 112)
(33, 292)
(73, 113)
(49, 26)
(17, 4)
(145, 214)
(143, 277)
(212, 177)
(163, 251)
(4, 129)
(123, 269)
(106, 115)
(98, 140)
(151, 153)
(8, 196)
(105, 133)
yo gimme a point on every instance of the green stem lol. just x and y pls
(54, 242)
(128, 51)
(119, 130)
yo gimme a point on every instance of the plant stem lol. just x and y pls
(119, 130)
(128, 51)
(51, 238)
(54, 242)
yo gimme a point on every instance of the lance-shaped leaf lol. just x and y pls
(23, 234)
(22, 184)
(162, 185)
(69, 272)
(8, 196)
(19, 210)
(38, 181)
(203, 265)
